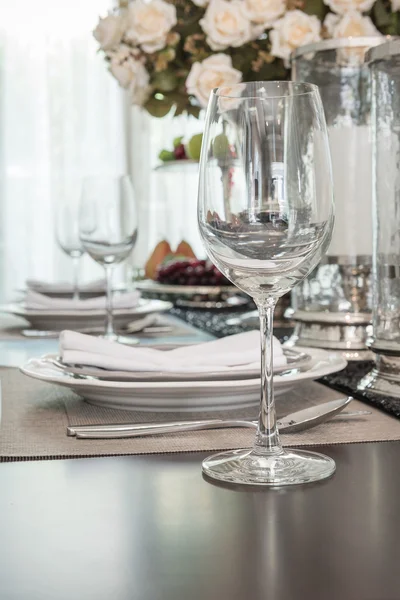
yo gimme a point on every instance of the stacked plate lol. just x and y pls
(64, 289)
(180, 391)
(79, 319)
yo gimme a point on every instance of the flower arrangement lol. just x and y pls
(174, 52)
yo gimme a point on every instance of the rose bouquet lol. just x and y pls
(174, 52)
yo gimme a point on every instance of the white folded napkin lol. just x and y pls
(36, 301)
(234, 352)
(63, 287)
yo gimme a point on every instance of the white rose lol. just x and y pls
(132, 76)
(352, 24)
(149, 23)
(343, 6)
(226, 24)
(395, 5)
(264, 12)
(230, 98)
(200, 2)
(109, 31)
(214, 71)
(295, 29)
(330, 23)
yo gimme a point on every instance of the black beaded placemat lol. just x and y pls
(218, 322)
(211, 321)
(344, 381)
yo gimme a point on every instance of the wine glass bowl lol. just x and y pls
(266, 216)
(265, 212)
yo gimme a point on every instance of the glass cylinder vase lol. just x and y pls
(332, 307)
(384, 63)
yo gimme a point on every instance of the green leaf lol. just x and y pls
(315, 7)
(166, 81)
(158, 108)
(382, 17)
(394, 26)
(268, 72)
(193, 110)
(243, 57)
(180, 109)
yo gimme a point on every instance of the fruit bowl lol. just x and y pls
(192, 283)
(190, 272)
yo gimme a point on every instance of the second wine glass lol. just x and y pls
(108, 229)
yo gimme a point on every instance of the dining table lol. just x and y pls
(152, 527)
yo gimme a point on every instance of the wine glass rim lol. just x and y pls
(296, 89)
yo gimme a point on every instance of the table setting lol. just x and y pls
(186, 356)
(200, 300)
(130, 374)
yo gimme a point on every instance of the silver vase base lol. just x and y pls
(289, 467)
(349, 337)
(384, 377)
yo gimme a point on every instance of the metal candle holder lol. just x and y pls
(339, 317)
(332, 307)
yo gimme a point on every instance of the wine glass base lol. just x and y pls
(290, 467)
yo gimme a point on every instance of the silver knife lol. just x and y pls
(297, 421)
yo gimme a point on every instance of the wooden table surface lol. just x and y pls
(151, 528)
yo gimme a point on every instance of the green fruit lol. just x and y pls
(193, 147)
(178, 141)
(220, 146)
(166, 155)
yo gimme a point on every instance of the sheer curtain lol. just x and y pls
(61, 114)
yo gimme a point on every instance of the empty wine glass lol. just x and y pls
(108, 229)
(68, 194)
(266, 217)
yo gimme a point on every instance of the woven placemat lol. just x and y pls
(35, 416)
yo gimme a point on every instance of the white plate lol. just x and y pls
(295, 360)
(57, 320)
(181, 395)
(65, 291)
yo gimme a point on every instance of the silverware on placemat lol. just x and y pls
(297, 421)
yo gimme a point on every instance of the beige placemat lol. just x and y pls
(35, 416)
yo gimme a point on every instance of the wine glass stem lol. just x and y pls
(267, 438)
(109, 333)
(75, 262)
